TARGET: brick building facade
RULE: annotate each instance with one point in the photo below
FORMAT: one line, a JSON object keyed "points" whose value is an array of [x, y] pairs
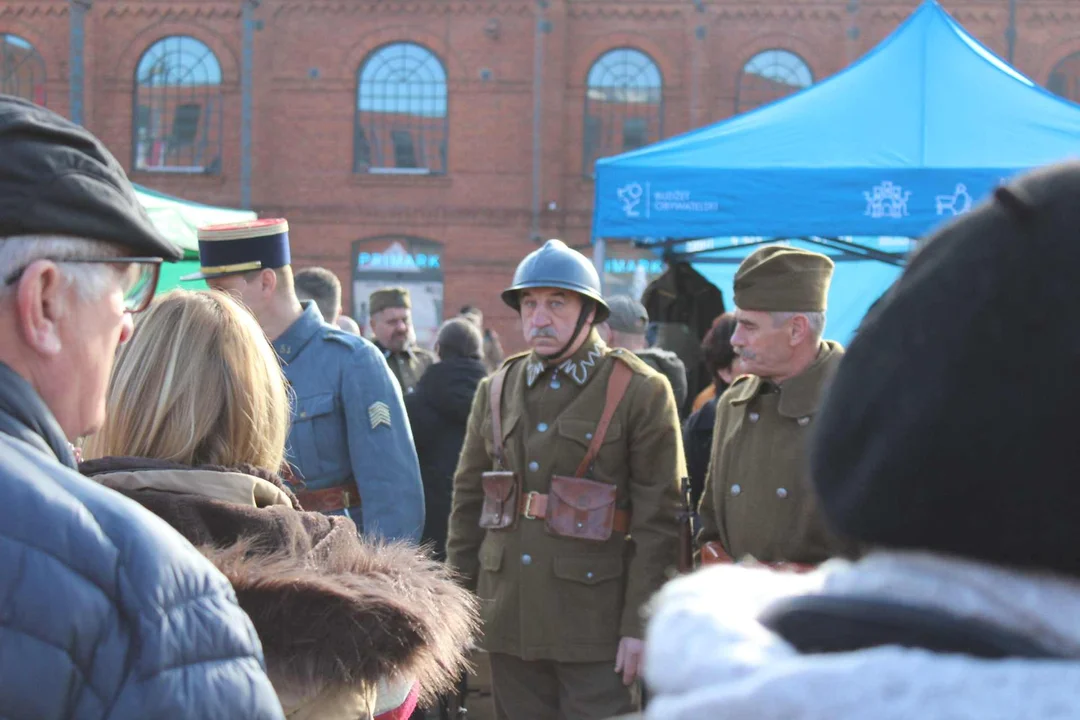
{"points": [[397, 136]]}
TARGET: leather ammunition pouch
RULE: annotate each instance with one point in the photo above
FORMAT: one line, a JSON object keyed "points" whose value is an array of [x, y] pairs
{"points": [[501, 490], [581, 509]]}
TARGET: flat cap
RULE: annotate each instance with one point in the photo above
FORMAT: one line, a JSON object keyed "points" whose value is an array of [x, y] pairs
{"points": [[627, 315], [58, 179], [392, 297], [776, 278]]}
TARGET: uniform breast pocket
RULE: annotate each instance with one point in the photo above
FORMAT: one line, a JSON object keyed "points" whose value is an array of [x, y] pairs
{"points": [[575, 436], [318, 435]]}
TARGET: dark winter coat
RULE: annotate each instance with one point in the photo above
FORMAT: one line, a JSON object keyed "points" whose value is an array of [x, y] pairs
{"points": [[439, 414], [343, 621]]}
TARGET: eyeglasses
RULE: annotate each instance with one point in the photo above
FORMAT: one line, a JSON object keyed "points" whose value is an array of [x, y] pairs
{"points": [[140, 275]]}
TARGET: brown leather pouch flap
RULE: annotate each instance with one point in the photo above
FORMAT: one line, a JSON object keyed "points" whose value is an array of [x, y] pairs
{"points": [[500, 510], [580, 509], [582, 494]]}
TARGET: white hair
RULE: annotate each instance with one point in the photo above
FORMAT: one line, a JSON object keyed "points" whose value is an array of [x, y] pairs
{"points": [[89, 281], [816, 321]]}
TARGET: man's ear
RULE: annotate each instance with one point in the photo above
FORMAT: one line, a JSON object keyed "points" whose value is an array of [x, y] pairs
{"points": [[268, 282], [41, 299], [800, 329]]}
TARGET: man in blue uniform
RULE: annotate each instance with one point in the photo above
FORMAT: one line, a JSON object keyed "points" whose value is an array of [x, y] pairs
{"points": [[350, 441]]}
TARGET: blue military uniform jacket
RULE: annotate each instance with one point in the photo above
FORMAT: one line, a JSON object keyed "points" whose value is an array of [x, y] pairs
{"points": [[349, 424]]}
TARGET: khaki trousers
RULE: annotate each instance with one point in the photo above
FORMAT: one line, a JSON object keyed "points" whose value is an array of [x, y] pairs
{"points": [[549, 690]]}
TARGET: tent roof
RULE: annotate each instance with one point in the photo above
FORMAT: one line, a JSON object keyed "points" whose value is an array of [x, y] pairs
{"points": [[928, 117], [179, 220]]}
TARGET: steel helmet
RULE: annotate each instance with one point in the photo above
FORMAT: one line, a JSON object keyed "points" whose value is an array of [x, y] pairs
{"points": [[557, 266]]}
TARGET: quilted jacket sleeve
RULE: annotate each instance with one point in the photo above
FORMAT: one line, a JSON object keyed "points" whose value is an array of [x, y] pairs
{"points": [[108, 613]]}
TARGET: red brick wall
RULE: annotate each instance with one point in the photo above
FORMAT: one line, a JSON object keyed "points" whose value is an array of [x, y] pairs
{"points": [[307, 54]]}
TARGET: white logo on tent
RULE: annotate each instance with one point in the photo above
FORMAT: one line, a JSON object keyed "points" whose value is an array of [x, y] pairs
{"points": [[630, 196], [887, 200], [956, 204]]}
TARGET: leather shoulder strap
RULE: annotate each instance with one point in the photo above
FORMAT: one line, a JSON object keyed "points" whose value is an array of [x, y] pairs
{"points": [[618, 382], [497, 382]]}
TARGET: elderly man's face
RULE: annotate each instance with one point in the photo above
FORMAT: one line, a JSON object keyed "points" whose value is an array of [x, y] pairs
{"points": [[764, 348], [391, 328], [97, 331], [548, 318]]}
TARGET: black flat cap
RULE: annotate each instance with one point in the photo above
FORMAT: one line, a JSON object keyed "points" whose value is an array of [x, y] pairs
{"points": [[58, 179]]}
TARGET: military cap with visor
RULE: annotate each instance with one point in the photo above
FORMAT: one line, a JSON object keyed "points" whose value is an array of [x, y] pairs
{"points": [[776, 278], [56, 179], [557, 266], [238, 248], [389, 297]]}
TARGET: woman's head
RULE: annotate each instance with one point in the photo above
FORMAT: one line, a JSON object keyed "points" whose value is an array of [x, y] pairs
{"points": [[198, 384], [716, 348]]}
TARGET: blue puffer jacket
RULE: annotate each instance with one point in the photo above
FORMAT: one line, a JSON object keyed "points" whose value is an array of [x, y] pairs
{"points": [[105, 611]]}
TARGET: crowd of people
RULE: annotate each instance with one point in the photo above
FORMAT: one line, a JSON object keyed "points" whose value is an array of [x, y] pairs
{"points": [[231, 504]]}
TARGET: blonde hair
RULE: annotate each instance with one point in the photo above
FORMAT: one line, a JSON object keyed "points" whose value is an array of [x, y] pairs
{"points": [[198, 384]]}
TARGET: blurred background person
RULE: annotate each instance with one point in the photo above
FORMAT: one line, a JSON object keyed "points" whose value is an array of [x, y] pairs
{"points": [[323, 288], [346, 323], [720, 359], [626, 327], [493, 349], [196, 422], [106, 612], [439, 413], [391, 324]]}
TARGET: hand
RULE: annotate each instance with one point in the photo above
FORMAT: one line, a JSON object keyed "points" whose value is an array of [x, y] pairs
{"points": [[628, 659]]}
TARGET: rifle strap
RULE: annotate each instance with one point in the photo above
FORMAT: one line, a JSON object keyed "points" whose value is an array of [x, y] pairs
{"points": [[497, 383], [618, 382]]}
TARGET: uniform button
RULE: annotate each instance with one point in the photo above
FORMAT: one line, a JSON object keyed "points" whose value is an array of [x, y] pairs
{"points": [[754, 417], [526, 559], [804, 421], [589, 575], [303, 414], [542, 427], [555, 384], [588, 436], [534, 466], [580, 525], [781, 493], [735, 489]]}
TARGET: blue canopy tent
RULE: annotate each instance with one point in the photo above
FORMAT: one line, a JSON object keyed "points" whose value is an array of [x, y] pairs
{"points": [[922, 127]]}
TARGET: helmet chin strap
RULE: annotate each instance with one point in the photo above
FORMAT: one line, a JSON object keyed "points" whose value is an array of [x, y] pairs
{"points": [[583, 316]]}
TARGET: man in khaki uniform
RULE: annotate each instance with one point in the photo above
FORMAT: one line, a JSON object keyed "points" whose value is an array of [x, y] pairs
{"points": [[758, 501], [391, 323], [564, 551]]}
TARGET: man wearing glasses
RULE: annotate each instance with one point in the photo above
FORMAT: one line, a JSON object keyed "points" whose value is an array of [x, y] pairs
{"points": [[106, 611]]}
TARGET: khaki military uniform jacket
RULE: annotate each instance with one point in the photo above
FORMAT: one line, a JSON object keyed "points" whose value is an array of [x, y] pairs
{"points": [[758, 500], [555, 598], [408, 366]]}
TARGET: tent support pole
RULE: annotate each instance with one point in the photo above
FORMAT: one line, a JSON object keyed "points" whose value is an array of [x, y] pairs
{"points": [[246, 61], [599, 252], [856, 249]]}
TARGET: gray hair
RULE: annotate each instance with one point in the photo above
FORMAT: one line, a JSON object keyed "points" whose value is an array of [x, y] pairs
{"points": [[89, 281], [816, 321]]}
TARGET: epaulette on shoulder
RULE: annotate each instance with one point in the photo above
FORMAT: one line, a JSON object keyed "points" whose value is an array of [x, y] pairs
{"points": [[341, 337], [513, 359], [632, 361]]}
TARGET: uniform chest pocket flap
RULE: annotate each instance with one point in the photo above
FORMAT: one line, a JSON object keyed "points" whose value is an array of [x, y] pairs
{"points": [[313, 406], [581, 509], [581, 431]]}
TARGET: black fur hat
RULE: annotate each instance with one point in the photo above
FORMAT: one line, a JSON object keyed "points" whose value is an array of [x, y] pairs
{"points": [[953, 423]]}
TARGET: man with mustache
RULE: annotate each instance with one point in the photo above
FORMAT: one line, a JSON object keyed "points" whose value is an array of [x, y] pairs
{"points": [[391, 323], [564, 517], [757, 500]]}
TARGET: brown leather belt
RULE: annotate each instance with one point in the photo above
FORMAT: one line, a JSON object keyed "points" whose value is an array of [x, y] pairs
{"points": [[534, 507], [329, 500]]}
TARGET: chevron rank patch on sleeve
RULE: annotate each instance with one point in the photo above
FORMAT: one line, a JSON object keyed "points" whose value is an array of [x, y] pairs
{"points": [[379, 414]]}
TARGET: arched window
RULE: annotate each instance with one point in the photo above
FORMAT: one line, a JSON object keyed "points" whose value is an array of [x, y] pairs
{"points": [[769, 76], [178, 115], [22, 70], [1065, 78], [624, 105], [401, 120]]}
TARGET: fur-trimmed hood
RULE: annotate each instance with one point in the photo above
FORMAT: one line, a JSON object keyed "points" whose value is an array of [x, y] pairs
{"points": [[332, 609]]}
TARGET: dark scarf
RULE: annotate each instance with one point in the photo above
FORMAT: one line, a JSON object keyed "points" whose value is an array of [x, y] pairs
{"points": [[24, 415]]}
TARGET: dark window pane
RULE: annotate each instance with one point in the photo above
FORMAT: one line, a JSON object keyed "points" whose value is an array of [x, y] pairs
{"points": [[401, 103], [624, 105], [22, 69], [770, 76], [178, 116]]}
